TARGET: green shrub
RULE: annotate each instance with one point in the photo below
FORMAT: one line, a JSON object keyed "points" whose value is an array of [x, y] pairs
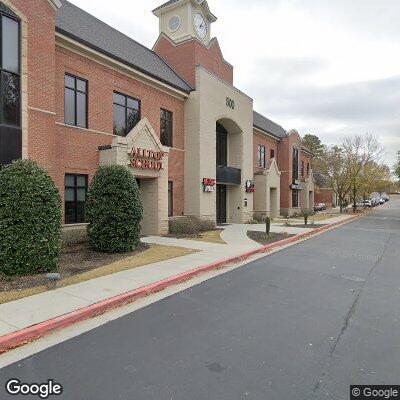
{"points": [[30, 220], [114, 210], [190, 226], [183, 226], [267, 225], [206, 225]]}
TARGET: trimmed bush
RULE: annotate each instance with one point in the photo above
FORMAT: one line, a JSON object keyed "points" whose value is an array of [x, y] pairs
{"points": [[183, 226], [114, 210], [206, 225], [30, 220], [190, 226]]}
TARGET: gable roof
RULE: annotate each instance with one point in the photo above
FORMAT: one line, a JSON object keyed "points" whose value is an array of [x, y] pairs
{"points": [[168, 3], [268, 126], [90, 31]]}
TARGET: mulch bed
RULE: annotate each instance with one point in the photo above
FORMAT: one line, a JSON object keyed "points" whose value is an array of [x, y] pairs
{"points": [[74, 260], [264, 239]]}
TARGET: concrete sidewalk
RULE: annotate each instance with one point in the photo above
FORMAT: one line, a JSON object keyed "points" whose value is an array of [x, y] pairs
{"points": [[33, 310]]}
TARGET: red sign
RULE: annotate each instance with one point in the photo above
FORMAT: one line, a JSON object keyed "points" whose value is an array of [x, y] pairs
{"points": [[146, 159], [208, 182], [209, 185], [250, 187]]}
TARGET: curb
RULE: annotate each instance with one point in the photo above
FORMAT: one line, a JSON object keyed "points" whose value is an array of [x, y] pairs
{"points": [[34, 332]]}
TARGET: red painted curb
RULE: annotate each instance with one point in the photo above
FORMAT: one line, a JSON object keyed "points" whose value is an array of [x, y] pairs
{"points": [[34, 332]]}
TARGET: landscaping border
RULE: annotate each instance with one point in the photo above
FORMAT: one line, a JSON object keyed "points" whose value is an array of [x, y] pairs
{"points": [[34, 332]]}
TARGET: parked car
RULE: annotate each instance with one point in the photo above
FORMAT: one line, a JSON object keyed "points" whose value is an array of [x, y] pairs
{"points": [[382, 200], [385, 197], [319, 207], [375, 201], [365, 203]]}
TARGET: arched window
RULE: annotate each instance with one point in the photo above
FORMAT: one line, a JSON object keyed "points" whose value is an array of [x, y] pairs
{"points": [[10, 80]]}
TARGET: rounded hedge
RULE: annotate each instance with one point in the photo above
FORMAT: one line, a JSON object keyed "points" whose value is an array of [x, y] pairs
{"points": [[30, 220], [114, 210]]}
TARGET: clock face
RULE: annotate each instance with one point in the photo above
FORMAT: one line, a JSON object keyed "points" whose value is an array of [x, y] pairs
{"points": [[174, 23], [200, 26]]}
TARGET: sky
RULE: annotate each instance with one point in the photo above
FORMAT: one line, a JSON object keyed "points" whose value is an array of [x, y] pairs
{"points": [[324, 67]]}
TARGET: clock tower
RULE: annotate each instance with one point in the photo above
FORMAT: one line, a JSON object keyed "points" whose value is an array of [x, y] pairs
{"points": [[182, 20]]}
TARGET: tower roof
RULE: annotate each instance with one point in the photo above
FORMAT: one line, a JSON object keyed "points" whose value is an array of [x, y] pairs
{"points": [[173, 3]]}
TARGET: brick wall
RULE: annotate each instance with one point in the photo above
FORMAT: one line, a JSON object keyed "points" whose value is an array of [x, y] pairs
{"points": [[306, 159], [77, 149], [285, 166], [184, 57], [324, 195], [270, 144], [38, 80]]}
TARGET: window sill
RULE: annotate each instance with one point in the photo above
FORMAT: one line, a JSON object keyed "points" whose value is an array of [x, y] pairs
{"points": [[77, 225]]}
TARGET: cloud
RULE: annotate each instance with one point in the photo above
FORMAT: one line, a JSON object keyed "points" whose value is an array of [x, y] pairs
{"points": [[335, 111]]}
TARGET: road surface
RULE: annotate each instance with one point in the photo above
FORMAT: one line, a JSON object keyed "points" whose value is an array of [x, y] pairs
{"points": [[303, 323]]}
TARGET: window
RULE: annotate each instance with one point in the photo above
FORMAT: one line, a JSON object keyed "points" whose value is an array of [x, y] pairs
{"points": [[308, 168], [10, 81], [272, 154], [76, 187], [75, 101], [295, 164], [302, 168], [126, 114], [170, 199], [261, 156], [166, 123], [295, 198]]}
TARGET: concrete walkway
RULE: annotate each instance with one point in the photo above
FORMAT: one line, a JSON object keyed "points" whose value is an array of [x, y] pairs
{"points": [[32, 310]]}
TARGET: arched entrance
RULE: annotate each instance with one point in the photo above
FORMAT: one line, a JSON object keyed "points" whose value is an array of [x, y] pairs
{"points": [[229, 172]]}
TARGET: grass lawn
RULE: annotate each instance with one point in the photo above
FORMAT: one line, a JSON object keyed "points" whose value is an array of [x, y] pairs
{"points": [[320, 217], [210, 236], [83, 264]]}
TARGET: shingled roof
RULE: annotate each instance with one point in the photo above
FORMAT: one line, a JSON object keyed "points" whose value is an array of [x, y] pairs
{"points": [[268, 126], [168, 3], [90, 31]]}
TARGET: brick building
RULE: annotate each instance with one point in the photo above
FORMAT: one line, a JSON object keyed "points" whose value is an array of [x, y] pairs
{"points": [[76, 94]]}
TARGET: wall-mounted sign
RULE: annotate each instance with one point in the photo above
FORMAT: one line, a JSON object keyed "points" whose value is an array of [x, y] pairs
{"points": [[230, 103], [250, 187], [295, 187], [146, 159], [209, 185]]}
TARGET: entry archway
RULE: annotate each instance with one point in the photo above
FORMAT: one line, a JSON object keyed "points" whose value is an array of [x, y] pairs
{"points": [[229, 161]]}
